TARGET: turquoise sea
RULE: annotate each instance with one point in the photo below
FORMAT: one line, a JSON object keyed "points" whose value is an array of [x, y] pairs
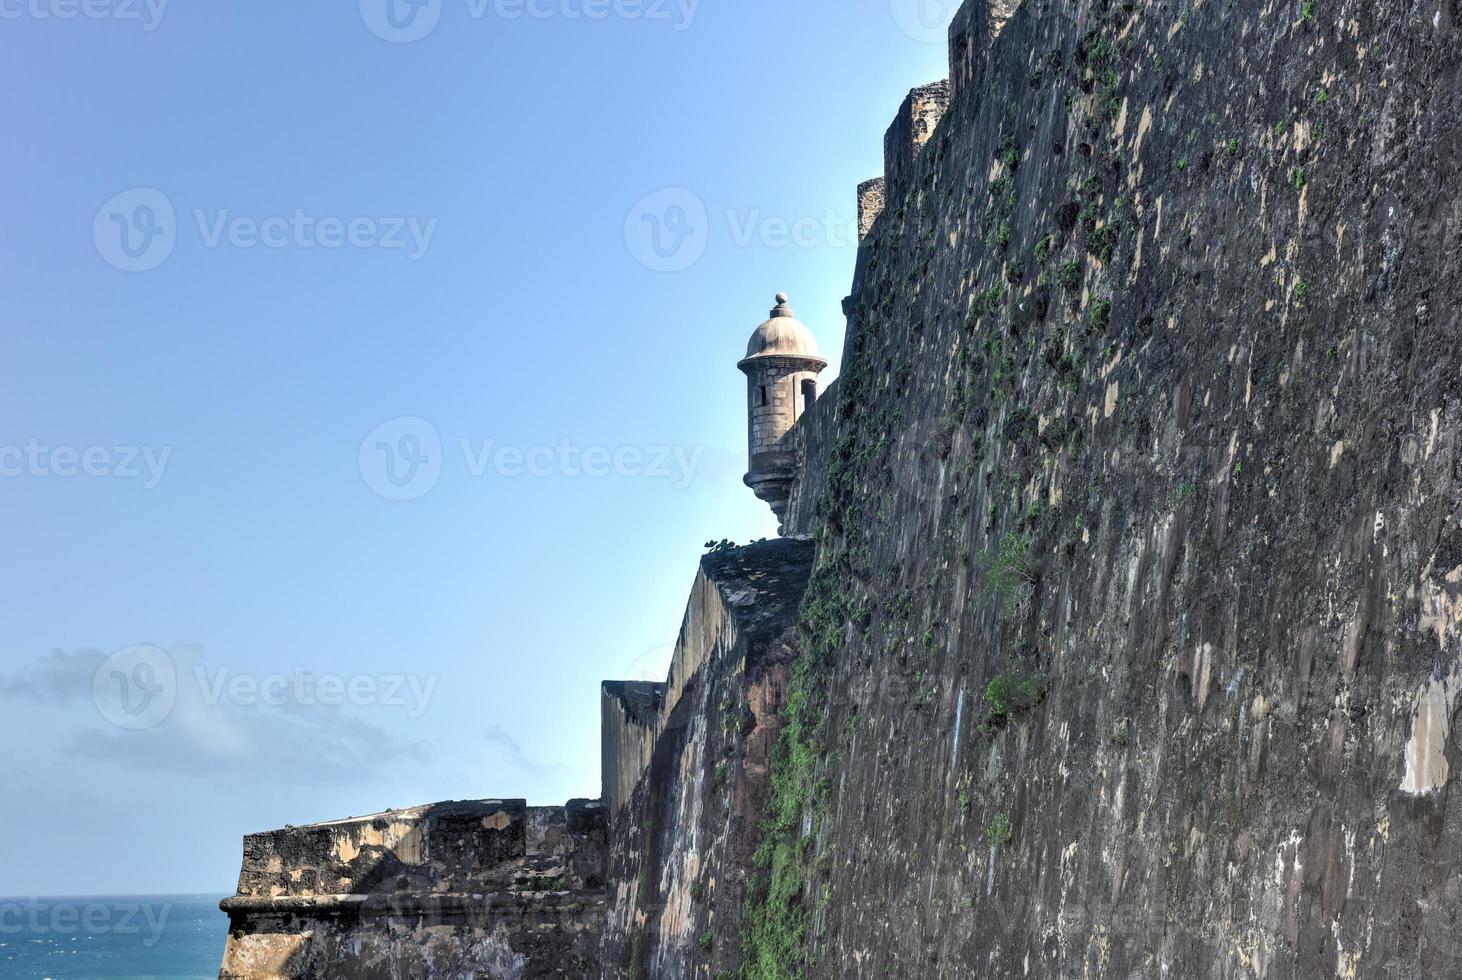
{"points": [[128, 937]]}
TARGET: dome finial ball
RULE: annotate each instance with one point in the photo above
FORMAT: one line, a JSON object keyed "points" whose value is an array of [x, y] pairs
{"points": [[781, 297]]}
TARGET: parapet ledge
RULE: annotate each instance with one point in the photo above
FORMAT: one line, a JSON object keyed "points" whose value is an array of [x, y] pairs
{"points": [[379, 861], [916, 121], [762, 583]]}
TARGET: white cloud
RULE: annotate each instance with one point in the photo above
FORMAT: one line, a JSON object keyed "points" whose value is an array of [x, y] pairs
{"points": [[288, 742]]}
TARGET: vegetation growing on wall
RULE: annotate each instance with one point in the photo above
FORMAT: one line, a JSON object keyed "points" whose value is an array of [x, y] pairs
{"points": [[775, 923], [1009, 694], [775, 919]]}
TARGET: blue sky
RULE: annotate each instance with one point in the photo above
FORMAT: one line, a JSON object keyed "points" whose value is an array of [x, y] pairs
{"points": [[400, 415]]}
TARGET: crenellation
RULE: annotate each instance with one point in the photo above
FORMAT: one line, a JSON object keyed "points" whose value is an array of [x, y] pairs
{"points": [[870, 205], [915, 123], [972, 36]]}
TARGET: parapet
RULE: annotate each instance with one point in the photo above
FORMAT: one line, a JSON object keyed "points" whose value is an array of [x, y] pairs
{"points": [[915, 123], [870, 205], [486, 881], [972, 34]]}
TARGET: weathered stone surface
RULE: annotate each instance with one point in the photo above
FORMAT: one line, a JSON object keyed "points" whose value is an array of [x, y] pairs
{"points": [[682, 843], [489, 888], [630, 713], [811, 443], [916, 121], [870, 205], [1151, 402]]}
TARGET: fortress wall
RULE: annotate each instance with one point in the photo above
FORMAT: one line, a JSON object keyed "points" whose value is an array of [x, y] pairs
{"points": [[504, 890], [971, 36], [870, 205], [635, 716], [812, 439], [630, 722], [683, 841], [707, 631], [1151, 418], [915, 122], [516, 890]]}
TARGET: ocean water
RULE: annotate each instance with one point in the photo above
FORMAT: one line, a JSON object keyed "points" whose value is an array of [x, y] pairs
{"points": [[129, 937]]}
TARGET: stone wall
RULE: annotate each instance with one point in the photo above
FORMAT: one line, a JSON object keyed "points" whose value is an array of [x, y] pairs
{"points": [[778, 379], [490, 888], [630, 716], [912, 126], [870, 205], [1134, 642], [812, 441], [682, 843]]}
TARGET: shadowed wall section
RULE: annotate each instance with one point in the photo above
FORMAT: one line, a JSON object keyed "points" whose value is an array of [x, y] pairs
{"points": [[683, 840]]}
